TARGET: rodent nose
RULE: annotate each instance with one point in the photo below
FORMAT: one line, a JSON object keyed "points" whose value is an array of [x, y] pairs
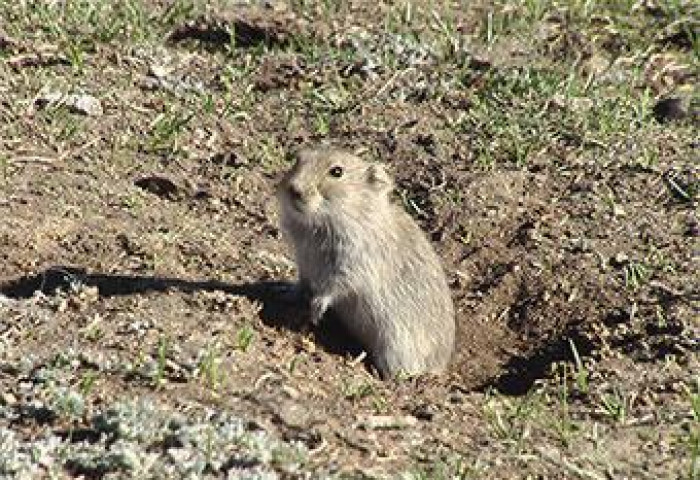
{"points": [[295, 192]]}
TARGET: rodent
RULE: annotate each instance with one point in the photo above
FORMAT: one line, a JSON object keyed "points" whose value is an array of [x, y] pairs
{"points": [[362, 256]]}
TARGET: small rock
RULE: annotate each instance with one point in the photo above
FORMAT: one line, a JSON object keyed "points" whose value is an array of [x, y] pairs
{"points": [[293, 415], [597, 64], [387, 422], [179, 455], [159, 71], [83, 104], [618, 211], [620, 258], [8, 399]]}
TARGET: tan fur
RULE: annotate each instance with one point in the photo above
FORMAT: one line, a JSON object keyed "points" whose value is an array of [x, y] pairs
{"points": [[365, 258]]}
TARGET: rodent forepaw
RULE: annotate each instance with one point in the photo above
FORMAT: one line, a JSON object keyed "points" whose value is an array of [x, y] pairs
{"points": [[318, 308]]}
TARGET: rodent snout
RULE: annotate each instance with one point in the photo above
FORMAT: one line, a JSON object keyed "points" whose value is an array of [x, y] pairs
{"points": [[295, 192]]}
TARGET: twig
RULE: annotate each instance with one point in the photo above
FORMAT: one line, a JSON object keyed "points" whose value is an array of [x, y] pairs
{"points": [[389, 82], [34, 159], [358, 359]]}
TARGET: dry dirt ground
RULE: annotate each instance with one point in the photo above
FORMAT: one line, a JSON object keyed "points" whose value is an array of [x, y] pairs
{"points": [[550, 149]]}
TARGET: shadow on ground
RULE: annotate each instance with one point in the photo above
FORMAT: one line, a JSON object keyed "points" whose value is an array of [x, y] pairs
{"points": [[277, 311], [109, 285]]}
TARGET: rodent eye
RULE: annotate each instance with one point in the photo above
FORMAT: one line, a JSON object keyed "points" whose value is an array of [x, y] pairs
{"points": [[336, 172]]}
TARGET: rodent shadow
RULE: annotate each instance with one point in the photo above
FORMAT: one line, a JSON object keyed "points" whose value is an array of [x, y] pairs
{"points": [[276, 311], [110, 285]]}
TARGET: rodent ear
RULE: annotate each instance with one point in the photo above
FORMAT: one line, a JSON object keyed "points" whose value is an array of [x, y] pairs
{"points": [[378, 177]]}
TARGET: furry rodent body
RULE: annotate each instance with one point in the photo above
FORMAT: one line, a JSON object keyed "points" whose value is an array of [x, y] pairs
{"points": [[362, 256]]}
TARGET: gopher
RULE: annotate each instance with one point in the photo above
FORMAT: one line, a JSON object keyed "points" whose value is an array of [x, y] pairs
{"points": [[364, 258]]}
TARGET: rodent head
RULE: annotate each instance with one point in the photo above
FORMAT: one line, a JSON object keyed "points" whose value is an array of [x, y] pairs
{"points": [[331, 181]]}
